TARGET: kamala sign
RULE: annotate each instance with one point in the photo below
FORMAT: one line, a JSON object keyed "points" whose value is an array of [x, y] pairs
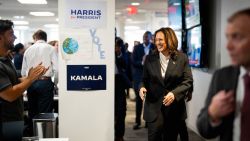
{"points": [[86, 77]]}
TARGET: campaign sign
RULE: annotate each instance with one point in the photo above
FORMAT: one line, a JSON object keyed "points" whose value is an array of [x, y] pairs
{"points": [[88, 14], [86, 77]]}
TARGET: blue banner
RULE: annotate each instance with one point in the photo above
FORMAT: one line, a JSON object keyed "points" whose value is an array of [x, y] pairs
{"points": [[86, 77]]}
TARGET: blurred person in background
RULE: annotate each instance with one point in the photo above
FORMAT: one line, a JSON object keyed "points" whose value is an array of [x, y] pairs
{"points": [[138, 58], [18, 57], [121, 84], [41, 93], [55, 44], [129, 66], [226, 113]]}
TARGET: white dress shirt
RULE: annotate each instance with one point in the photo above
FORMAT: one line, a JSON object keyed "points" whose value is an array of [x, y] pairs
{"points": [[239, 101], [40, 52], [164, 64], [146, 48]]}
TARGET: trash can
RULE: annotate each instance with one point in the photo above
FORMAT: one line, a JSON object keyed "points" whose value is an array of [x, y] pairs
{"points": [[45, 125]]}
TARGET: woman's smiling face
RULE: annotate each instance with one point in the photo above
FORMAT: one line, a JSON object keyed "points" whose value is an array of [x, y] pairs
{"points": [[160, 42]]}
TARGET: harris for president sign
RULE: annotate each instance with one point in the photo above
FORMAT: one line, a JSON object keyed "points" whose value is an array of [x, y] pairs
{"points": [[87, 14]]}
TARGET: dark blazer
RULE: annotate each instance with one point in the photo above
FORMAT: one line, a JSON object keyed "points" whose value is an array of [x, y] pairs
{"points": [[121, 66], [223, 79], [137, 56], [178, 79]]}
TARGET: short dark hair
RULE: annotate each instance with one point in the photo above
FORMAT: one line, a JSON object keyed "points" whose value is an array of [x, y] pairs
{"points": [[5, 25], [239, 13], [18, 47], [40, 35], [119, 42], [148, 33]]}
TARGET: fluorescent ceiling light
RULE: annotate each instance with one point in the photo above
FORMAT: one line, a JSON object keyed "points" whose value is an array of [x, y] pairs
{"points": [[57, 19], [135, 3], [129, 20], [21, 22], [42, 13], [32, 1], [132, 27], [18, 17], [118, 13], [51, 25], [21, 27]]}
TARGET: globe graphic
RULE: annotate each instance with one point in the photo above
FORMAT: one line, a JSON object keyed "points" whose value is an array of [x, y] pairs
{"points": [[70, 46]]}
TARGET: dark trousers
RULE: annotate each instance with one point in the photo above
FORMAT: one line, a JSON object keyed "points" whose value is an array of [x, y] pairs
{"points": [[163, 128], [120, 106], [12, 131], [155, 129], [40, 98], [183, 131], [138, 105], [120, 123]]}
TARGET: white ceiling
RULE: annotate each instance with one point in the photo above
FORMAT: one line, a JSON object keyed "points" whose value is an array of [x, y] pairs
{"points": [[145, 7], [11, 8]]}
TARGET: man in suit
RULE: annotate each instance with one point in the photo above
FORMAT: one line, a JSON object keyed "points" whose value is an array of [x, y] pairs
{"points": [[138, 57], [227, 113], [166, 79], [121, 83]]}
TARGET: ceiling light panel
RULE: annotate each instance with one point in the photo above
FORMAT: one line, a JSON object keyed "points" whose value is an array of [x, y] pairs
{"points": [[18, 17], [135, 3], [20, 22], [21, 27], [32, 1], [42, 13], [51, 25]]}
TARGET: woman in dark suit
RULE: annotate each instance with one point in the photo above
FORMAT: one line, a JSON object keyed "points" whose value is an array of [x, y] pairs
{"points": [[166, 79]]}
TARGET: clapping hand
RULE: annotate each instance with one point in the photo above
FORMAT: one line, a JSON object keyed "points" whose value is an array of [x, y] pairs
{"points": [[35, 73]]}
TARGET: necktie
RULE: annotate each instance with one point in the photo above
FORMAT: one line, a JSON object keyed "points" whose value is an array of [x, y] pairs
{"points": [[245, 111]]}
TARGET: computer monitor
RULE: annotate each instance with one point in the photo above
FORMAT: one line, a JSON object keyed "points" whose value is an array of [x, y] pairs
{"points": [[175, 14], [192, 13], [194, 46]]}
